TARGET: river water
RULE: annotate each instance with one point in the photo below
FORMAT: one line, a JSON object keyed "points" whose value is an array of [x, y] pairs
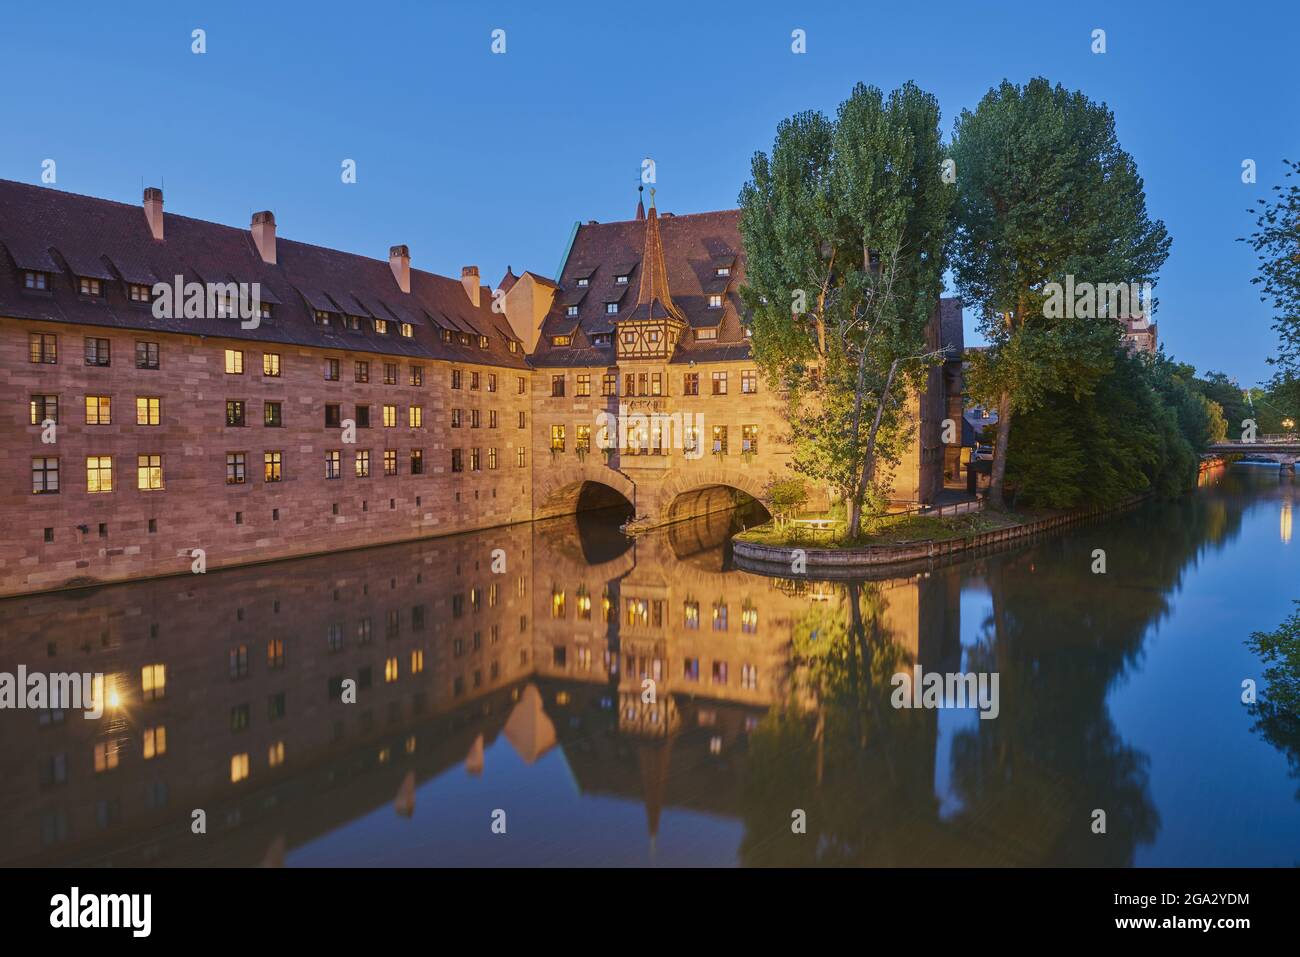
{"points": [[557, 694]]}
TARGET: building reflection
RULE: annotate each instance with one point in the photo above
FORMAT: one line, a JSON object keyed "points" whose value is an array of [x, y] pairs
{"points": [[658, 672], [649, 662]]}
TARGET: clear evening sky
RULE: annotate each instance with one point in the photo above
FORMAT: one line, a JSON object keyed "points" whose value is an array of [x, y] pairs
{"points": [[473, 157]]}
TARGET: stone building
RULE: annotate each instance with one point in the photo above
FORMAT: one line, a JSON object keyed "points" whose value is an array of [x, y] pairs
{"points": [[157, 426]]}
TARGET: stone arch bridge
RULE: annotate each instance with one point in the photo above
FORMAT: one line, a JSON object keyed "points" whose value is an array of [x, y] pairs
{"points": [[658, 488]]}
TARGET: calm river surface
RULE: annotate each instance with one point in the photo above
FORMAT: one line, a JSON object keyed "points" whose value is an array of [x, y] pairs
{"points": [[503, 712]]}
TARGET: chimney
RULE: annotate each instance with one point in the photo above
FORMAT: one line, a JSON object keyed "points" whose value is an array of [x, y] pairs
{"points": [[469, 279], [153, 211], [264, 235], [399, 261]]}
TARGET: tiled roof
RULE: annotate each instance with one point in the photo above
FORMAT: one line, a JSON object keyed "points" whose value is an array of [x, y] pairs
{"points": [[69, 235], [693, 248]]}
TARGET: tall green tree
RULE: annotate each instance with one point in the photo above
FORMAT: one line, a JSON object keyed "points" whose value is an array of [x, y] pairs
{"points": [[1044, 191], [845, 226], [1276, 241]]}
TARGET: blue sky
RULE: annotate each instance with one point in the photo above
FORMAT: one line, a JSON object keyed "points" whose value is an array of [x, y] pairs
{"points": [[471, 157]]}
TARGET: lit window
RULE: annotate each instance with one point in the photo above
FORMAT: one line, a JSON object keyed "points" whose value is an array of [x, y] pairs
{"points": [[99, 473], [583, 283], [275, 754], [42, 348], [234, 362], [149, 472], [153, 682], [148, 410], [155, 742], [715, 301], [106, 756], [560, 340], [238, 768], [98, 410], [271, 465], [706, 333], [381, 327], [620, 280], [271, 364], [407, 330], [138, 293]]}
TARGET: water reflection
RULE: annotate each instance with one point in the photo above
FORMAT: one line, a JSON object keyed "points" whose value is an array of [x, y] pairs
{"points": [[598, 687]]}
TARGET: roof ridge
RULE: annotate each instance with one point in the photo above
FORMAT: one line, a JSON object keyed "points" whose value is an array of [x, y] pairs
{"points": [[243, 230], [620, 222]]}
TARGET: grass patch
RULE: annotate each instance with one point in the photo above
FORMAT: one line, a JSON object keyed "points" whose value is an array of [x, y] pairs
{"points": [[888, 530]]}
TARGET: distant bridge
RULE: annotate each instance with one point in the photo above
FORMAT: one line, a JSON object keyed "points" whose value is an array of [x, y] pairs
{"points": [[1283, 449]]}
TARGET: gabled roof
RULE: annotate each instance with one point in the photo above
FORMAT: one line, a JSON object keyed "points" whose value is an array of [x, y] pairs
{"points": [[689, 246], [68, 235]]}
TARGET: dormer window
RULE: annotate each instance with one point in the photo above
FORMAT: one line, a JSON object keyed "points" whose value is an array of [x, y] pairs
{"points": [[446, 335], [583, 283], [464, 338], [561, 340], [407, 330], [264, 310], [706, 333], [322, 317], [571, 311], [138, 293], [611, 309], [722, 271], [352, 322], [715, 301], [89, 287], [483, 342], [620, 280], [602, 339], [514, 346], [35, 280], [381, 327]]}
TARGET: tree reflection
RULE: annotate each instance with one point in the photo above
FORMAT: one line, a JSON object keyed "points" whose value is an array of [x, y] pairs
{"points": [[1027, 783]]}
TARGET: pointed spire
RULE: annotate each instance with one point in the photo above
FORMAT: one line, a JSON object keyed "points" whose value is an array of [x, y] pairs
{"points": [[640, 206], [654, 274]]}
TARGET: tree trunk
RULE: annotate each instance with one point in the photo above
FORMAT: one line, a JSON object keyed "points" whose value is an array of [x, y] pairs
{"points": [[869, 458], [996, 499]]}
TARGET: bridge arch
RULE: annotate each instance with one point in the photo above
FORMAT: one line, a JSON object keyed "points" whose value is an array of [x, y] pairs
{"points": [[713, 490], [574, 488]]}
